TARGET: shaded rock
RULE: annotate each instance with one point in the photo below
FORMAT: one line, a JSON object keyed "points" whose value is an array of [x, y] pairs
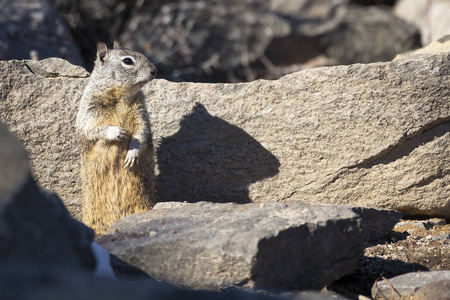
{"points": [[91, 21], [440, 46], [376, 222], [191, 40], [439, 290], [33, 28], [370, 34], [425, 224], [218, 246], [206, 140], [344, 33], [36, 228], [24, 282], [407, 284], [14, 167], [371, 135], [431, 17], [442, 237], [41, 101]]}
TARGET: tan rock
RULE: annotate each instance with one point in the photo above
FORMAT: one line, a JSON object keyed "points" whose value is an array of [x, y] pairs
{"points": [[366, 135], [370, 135], [39, 102], [439, 290], [440, 46]]}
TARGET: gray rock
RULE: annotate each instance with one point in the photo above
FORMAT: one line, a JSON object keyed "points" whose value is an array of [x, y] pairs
{"points": [[25, 282], [40, 109], [442, 237], [424, 224], [33, 28], [205, 37], [440, 46], [35, 227], [14, 167], [218, 246], [439, 290], [344, 33], [371, 135], [357, 38], [407, 284], [376, 222]]}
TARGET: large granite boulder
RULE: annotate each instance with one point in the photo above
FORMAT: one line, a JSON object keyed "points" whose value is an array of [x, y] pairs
{"points": [[220, 246], [367, 135]]}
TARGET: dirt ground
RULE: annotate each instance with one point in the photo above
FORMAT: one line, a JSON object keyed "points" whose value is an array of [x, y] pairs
{"points": [[411, 246]]}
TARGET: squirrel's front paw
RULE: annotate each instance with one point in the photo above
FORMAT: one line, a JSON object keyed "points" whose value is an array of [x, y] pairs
{"points": [[132, 158], [115, 133]]}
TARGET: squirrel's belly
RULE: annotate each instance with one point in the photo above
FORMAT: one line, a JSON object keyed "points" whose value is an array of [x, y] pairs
{"points": [[106, 155]]}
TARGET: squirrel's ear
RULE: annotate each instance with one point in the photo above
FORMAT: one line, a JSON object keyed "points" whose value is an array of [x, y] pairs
{"points": [[116, 45], [102, 50]]}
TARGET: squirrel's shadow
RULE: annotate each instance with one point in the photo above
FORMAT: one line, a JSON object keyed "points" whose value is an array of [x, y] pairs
{"points": [[211, 160]]}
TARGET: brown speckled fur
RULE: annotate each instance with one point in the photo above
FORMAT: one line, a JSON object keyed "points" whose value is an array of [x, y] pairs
{"points": [[110, 190]]}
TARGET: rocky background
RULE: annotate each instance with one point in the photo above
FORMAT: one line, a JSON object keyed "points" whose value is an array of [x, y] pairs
{"points": [[266, 189], [223, 41]]}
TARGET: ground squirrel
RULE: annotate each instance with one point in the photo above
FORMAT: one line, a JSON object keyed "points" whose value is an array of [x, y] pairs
{"points": [[117, 163]]}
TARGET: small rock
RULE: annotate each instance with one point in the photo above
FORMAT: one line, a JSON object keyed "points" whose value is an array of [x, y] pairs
{"points": [[442, 237], [377, 222], [439, 290], [407, 284]]}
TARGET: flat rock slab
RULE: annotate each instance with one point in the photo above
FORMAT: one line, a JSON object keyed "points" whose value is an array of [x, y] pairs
{"points": [[367, 135], [407, 284], [218, 246]]}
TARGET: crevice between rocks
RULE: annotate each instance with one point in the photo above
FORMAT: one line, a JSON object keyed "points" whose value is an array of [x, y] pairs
{"points": [[426, 181], [407, 144], [47, 74], [29, 69]]}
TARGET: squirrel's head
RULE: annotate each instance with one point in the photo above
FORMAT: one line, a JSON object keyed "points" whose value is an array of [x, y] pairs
{"points": [[123, 68]]}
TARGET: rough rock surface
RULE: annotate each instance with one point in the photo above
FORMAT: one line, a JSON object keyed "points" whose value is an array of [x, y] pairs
{"points": [[45, 254], [39, 105], [34, 26], [407, 284], [368, 135], [218, 246], [35, 227], [439, 290]]}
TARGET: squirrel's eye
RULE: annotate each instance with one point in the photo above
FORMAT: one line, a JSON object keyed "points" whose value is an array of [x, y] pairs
{"points": [[128, 61]]}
